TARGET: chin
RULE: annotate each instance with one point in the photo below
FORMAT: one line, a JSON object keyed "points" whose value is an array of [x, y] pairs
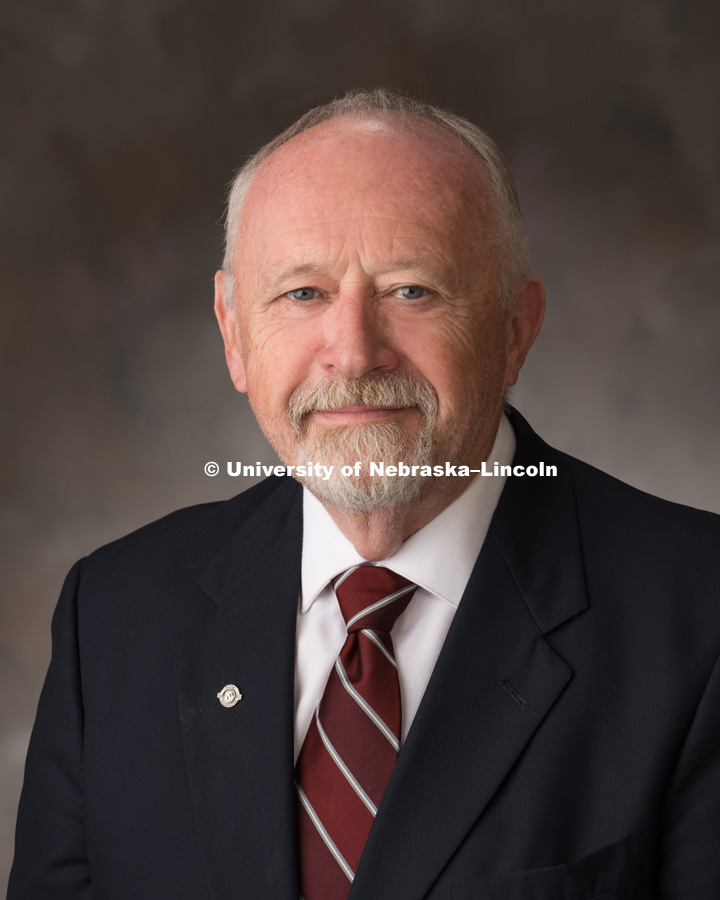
{"points": [[386, 442]]}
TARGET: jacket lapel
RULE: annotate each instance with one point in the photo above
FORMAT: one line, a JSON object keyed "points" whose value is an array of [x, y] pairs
{"points": [[240, 759], [495, 681]]}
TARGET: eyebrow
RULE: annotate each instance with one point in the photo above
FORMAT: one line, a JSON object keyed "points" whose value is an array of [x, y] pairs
{"points": [[421, 266], [430, 269], [286, 273]]}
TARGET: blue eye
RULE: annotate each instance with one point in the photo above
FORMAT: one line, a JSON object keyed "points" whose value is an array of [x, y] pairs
{"points": [[302, 294], [411, 292]]}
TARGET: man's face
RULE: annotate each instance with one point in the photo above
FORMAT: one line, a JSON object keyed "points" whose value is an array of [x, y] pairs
{"points": [[362, 266]]}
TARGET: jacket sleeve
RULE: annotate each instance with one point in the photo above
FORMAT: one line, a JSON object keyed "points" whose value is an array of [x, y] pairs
{"points": [[690, 825], [50, 852]]}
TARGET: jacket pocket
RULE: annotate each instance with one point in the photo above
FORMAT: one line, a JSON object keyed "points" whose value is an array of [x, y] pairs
{"points": [[611, 873]]}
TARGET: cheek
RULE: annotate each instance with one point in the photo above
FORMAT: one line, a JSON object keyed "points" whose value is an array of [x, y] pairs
{"points": [[277, 361], [461, 362]]}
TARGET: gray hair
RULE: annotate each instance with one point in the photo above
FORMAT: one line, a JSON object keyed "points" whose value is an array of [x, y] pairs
{"points": [[507, 235]]}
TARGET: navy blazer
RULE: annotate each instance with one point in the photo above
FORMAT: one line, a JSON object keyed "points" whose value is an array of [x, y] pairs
{"points": [[567, 746]]}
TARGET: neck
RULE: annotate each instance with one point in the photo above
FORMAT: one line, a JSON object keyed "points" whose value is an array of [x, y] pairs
{"points": [[378, 534]]}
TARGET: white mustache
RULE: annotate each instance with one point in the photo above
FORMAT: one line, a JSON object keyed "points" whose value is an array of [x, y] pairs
{"points": [[389, 391]]}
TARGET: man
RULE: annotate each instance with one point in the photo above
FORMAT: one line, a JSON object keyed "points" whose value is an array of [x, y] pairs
{"points": [[518, 698]]}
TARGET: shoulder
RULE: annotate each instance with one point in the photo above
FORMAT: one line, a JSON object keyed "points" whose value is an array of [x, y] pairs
{"points": [[621, 519], [636, 555], [130, 596], [187, 539], [637, 544], [617, 509]]}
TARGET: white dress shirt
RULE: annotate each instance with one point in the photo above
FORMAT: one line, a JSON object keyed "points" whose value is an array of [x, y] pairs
{"points": [[438, 558]]}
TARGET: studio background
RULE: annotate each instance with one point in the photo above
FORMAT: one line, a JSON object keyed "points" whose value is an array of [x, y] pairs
{"points": [[123, 122]]}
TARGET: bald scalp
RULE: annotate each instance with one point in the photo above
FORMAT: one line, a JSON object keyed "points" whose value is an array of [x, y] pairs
{"points": [[439, 158]]}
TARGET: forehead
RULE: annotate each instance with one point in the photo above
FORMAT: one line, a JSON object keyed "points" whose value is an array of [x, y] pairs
{"points": [[342, 175]]}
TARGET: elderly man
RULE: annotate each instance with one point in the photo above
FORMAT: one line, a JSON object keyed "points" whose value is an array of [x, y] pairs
{"points": [[460, 681]]}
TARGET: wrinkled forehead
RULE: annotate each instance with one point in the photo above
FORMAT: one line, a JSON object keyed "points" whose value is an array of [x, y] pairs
{"points": [[382, 160]]}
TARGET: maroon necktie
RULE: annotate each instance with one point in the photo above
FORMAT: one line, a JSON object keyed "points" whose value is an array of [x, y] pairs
{"points": [[352, 744]]}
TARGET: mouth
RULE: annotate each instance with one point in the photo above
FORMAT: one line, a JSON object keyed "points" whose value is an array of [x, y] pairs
{"points": [[358, 415]]}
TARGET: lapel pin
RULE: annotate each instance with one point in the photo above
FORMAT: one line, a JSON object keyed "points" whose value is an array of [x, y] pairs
{"points": [[229, 695]]}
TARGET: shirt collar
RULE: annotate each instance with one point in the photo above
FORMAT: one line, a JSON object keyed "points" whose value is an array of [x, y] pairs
{"points": [[439, 557]]}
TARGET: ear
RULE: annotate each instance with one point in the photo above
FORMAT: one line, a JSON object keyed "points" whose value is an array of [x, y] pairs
{"points": [[523, 325], [227, 320]]}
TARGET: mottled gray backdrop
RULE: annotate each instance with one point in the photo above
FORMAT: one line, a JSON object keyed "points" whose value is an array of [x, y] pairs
{"points": [[121, 124]]}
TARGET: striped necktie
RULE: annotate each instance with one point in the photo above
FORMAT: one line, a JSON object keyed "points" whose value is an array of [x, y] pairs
{"points": [[352, 744]]}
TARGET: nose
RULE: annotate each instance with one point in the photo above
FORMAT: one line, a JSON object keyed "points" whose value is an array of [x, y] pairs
{"points": [[356, 336]]}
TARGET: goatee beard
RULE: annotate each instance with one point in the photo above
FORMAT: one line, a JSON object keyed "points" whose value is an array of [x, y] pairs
{"points": [[344, 445]]}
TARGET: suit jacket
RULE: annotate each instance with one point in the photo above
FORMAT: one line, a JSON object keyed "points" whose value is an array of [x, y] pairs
{"points": [[567, 746]]}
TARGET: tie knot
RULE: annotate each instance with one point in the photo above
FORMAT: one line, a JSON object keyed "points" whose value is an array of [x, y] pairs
{"points": [[372, 597]]}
